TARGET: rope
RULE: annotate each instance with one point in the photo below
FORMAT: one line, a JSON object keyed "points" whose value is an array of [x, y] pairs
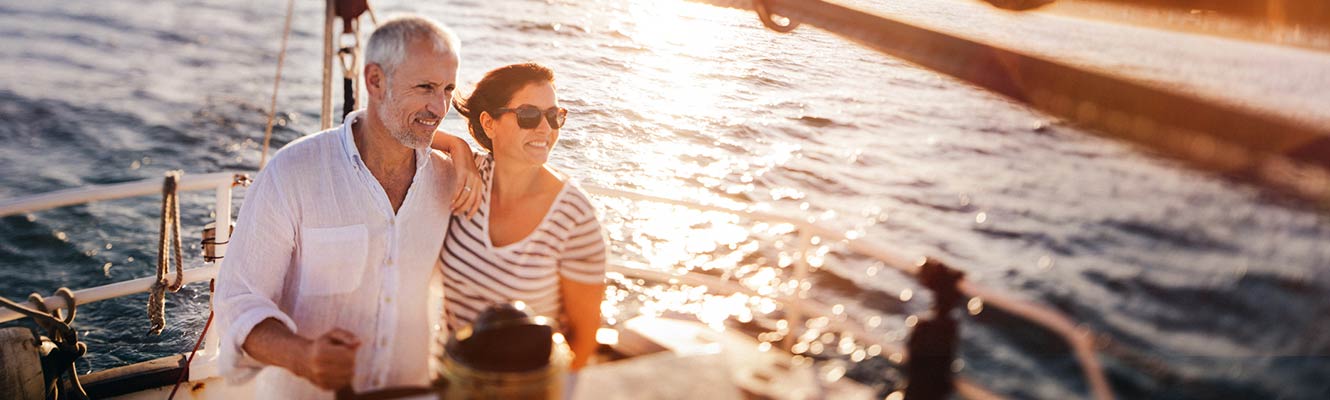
{"points": [[349, 56], [373, 19], [61, 372], [184, 372], [325, 107], [170, 220], [276, 82], [53, 322]]}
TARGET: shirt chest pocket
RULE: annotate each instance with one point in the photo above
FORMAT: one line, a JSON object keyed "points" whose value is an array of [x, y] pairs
{"points": [[332, 260]]}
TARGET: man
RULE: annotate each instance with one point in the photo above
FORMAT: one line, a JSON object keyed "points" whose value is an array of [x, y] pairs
{"points": [[330, 265]]}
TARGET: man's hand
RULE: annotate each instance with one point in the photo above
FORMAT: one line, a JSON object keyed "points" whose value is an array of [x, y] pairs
{"points": [[330, 361]]}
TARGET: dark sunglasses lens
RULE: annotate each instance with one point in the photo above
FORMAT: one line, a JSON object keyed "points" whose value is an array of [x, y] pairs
{"points": [[556, 117], [528, 117]]}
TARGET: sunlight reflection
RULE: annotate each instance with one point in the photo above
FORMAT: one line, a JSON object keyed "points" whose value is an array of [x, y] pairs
{"points": [[756, 255], [674, 32]]}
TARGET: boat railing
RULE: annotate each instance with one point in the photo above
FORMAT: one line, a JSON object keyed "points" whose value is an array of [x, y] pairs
{"points": [[220, 182], [1080, 339]]}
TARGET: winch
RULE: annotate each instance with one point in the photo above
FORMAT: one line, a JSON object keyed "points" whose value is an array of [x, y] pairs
{"points": [[507, 353]]}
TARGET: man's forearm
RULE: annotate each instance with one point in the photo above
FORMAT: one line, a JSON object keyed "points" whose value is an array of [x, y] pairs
{"points": [[271, 343]]}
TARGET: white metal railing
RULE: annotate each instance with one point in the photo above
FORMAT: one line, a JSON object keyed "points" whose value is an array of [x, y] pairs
{"points": [[220, 182], [114, 290], [1079, 338], [88, 194]]}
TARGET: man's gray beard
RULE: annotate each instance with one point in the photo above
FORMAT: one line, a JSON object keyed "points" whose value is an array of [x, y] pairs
{"points": [[404, 137], [401, 134]]}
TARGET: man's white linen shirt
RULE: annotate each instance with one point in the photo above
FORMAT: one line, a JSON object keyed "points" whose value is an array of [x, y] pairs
{"points": [[317, 246]]}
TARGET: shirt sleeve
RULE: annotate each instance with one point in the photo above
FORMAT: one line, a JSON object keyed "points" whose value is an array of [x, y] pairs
{"points": [[583, 256], [253, 272]]}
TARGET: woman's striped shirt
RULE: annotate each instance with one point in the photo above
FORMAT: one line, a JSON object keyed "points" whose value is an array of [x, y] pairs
{"points": [[568, 243]]}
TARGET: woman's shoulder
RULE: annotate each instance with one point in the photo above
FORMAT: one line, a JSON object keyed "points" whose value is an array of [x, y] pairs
{"points": [[575, 198]]}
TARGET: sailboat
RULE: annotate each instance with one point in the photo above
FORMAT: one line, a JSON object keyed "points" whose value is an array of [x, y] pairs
{"points": [[760, 362]]}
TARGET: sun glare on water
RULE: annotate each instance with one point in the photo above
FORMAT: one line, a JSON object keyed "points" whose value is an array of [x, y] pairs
{"points": [[685, 73], [678, 40], [677, 37]]}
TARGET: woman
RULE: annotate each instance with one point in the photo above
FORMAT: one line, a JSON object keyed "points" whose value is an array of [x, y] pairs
{"points": [[535, 236]]}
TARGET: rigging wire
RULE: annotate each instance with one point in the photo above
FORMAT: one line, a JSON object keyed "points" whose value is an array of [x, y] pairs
{"points": [[276, 83]]}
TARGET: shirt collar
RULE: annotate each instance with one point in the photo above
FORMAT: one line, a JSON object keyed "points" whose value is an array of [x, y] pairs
{"points": [[353, 153]]}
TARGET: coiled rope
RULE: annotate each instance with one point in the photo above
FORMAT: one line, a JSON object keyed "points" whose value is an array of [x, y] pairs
{"points": [[61, 371], [170, 220]]}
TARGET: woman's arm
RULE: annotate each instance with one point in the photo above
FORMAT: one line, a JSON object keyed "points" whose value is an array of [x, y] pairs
{"points": [[467, 199], [581, 304], [582, 280]]}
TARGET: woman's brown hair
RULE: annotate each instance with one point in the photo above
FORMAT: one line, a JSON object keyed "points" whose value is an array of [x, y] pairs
{"points": [[494, 91]]}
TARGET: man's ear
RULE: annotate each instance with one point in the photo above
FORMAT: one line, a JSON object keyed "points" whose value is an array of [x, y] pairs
{"points": [[375, 80]]}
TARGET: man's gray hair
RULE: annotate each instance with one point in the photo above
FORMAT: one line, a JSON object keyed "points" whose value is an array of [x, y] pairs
{"points": [[387, 45]]}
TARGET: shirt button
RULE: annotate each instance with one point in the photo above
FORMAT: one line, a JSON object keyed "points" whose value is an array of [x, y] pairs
{"points": [[387, 299], [383, 341]]}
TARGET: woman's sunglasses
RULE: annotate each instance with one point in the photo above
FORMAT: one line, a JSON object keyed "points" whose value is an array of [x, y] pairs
{"points": [[528, 116]]}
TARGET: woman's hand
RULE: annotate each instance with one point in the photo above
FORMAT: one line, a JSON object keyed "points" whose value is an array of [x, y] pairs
{"points": [[469, 186], [581, 308]]}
